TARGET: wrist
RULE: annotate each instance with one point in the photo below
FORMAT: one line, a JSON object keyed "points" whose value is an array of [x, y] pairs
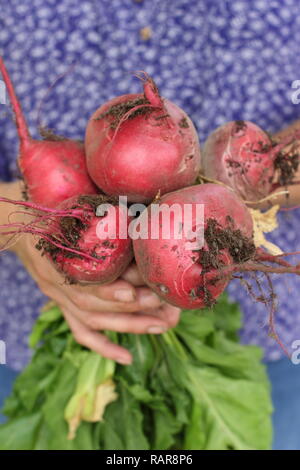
{"points": [[12, 190]]}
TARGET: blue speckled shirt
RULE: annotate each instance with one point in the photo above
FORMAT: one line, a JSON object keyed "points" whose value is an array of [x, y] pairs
{"points": [[218, 59]]}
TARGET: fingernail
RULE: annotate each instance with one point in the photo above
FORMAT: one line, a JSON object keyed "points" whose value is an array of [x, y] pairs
{"points": [[150, 300], [124, 361], [124, 295], [156, 330]]}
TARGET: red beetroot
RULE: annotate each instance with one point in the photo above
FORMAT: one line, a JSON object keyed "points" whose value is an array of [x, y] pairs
{"points": [[241, 155], [109, 255], [193, 277], [177, 273], [84, 246], [139, 144], [53, 169]]}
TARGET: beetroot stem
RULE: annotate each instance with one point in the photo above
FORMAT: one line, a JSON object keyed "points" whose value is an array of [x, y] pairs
{"points": [[20, 119]]}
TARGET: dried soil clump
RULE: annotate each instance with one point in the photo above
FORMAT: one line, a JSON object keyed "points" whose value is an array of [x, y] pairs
{"points": [[48, 134], [117, 111], [286, 163], [218, 239]]}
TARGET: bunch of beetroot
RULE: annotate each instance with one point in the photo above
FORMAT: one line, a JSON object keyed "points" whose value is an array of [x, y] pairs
{"points": [[136, 145], [146, 148]]}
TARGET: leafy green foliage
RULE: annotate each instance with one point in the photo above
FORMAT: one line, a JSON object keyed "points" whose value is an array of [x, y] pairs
{"points": [[195, 387]]}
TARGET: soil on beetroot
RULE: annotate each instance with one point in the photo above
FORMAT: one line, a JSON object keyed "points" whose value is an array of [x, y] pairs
{"points": [[48, 134], [264, 148], [116, 112], [95, 200], [24, 191], [71, 229], [287, 165], [162, 116], [239, 126], [183, 123], [202, 292], [218, 239]]}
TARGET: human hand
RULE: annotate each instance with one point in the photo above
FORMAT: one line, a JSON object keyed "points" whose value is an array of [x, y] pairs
{"points": [[125, 305]]}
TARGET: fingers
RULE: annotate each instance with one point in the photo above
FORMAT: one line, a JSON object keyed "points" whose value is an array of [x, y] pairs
{"points": [[91, 339], [120, 291], [133, 276], [145, 299], [96, 341], [122, 322], [154, 321], [169, 314]]}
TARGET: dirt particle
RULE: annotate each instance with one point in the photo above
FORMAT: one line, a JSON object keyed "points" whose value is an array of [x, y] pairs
{"points": [[183, 123], [108, 244], [48, 134], [163, 116], [287, 165], [95, 200], [239, 126], [24, 191], [203, 292]]}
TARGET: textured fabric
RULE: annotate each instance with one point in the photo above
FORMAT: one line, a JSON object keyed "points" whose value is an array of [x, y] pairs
{"points": [[219, 60]]}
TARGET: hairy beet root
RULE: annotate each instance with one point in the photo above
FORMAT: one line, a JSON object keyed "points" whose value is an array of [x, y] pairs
{"points": [[108, 255], [84, 245]]}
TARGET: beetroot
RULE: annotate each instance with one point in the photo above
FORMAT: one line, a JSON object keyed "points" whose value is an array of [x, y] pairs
{"points": [[83, 246], [178, 274], [241, 155], [140, 144], [190, 277], [53, 169]]}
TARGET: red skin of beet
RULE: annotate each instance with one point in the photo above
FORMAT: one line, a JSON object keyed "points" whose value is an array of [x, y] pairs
{"points": [[146, 154], [170, 269], [53, 170], [238, 154], [114, 254]]}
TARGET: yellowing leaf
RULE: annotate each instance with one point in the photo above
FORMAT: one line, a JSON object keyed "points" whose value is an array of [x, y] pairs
{"points": [[265, 222], [95, 389], [105, 394], [91, 407]]}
